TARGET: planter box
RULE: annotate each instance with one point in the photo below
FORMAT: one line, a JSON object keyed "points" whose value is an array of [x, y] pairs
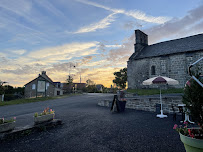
{"points": [[7, 126], [43, 118], [192, 144]]}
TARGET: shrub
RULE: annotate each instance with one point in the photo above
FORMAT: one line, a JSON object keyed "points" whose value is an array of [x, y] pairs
{"points": [[193, 98]]}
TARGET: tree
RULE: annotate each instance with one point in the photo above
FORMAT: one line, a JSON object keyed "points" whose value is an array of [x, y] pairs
{"points": [[90, 86], [2, 89], [120, 78], [69, 80], [89, 82]]}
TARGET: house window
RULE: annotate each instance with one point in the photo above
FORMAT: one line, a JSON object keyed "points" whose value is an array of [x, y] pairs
{"points": [[153, 70], [33, 86], [47, 85]]}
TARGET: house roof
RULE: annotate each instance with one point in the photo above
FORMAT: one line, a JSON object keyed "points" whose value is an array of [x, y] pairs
{"points": [[45, 77], [187, 44]]}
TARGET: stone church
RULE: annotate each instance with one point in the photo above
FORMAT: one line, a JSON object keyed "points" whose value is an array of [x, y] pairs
{"points": [[169, 58]]}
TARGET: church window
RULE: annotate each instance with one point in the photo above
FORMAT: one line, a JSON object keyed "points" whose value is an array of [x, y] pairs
{"points": [[153, 70]]}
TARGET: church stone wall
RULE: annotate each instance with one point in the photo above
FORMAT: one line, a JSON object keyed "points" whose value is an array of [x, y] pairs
{"points": [[137, 72], [178, 69], [173, 66]]}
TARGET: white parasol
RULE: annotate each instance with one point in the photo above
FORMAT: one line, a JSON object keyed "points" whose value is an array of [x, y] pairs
{"points": [[160, 80]]}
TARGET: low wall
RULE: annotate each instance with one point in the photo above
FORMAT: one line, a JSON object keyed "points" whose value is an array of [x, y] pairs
{"points": [[148, 103]]}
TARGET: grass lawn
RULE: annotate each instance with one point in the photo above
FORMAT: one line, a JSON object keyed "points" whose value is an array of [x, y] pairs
{"points": [[154, 91], [21, 101]]}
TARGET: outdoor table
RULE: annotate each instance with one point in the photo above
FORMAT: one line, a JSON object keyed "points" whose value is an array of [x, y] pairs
{"points": [[186, 113]]}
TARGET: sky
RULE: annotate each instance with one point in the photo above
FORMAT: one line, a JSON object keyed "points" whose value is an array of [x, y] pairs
{"points": [[87, 38]]}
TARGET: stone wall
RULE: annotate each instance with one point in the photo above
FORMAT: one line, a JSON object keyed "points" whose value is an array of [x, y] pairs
{"points": [[31, 93], [148, 104], [137, 72], [174, 66], [56, 90]]}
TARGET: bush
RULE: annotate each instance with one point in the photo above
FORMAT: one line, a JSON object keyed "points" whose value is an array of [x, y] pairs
{"points": [[193, 98], [8, 97]]}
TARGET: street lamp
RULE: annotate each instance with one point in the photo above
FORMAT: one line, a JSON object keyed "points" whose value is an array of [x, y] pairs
{"points": [[71, 65]]}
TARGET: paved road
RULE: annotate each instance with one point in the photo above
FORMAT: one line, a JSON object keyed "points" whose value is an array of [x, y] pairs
{"points": [[90, 128]]}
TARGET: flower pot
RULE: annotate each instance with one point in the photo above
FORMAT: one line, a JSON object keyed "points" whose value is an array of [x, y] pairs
{"points": [[7, 126], [192, 144], [43, 118]]}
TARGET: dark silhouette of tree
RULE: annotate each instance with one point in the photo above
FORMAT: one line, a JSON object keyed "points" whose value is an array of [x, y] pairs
{"points": [[69, 80], [120, 78], [90, 86]]}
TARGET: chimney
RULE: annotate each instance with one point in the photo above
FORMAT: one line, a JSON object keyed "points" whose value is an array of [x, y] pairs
{"points": [[43, 72], [141, 40]]}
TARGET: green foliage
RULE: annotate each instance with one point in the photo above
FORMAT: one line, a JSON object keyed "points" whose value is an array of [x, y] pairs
{"points": [[10, 92], [8, 97], [45, 112], [121, 78], [182, 129], [2, 120], [69, 80], [105, 90], [14, 90], [36, 114], [193, 98], [38, 99], [154, 91], [90, 86], [26, 132], [1, 87], [42, 128], [90, 83]]}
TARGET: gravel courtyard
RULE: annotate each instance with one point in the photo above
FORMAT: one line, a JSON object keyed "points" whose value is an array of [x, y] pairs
{"points": [[88, 127]]}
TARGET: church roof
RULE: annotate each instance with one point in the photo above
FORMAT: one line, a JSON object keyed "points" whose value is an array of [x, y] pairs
{"points": [[187, 44]]}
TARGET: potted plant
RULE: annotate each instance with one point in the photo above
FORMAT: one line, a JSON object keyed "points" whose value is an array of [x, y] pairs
{"points": [[7, 124], [192, 138], [46, 115]]}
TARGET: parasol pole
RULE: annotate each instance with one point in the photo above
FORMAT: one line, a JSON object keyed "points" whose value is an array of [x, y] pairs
{"points": [[161, 102], [162, 114]]}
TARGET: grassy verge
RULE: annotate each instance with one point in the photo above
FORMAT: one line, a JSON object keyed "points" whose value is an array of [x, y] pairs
{"points": [[154, 91], [21, 101]]}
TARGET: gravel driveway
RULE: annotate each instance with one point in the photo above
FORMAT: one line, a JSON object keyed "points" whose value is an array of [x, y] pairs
{"points": [[90, 128]]}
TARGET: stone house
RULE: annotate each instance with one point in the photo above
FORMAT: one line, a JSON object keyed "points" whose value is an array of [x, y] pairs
{"points": [[42, 86], [74, 87], [99, 87], [169, 58]]}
